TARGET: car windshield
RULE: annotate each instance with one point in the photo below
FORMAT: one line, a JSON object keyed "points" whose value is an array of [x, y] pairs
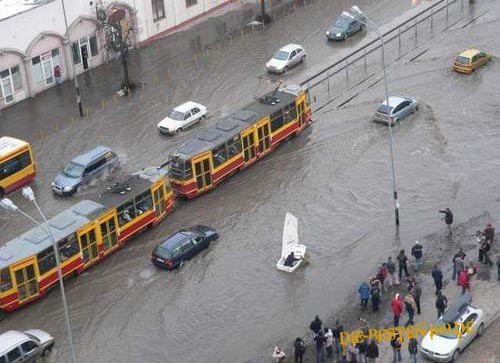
{"points": [[163, 252], [281, 55], [447, 330], [176, 115], [341, 23], [382, 108], [462, 60], [73, 170], [33, 337]]}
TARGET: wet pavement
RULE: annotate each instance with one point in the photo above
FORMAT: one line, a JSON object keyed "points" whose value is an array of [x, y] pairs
{"points": [[230, 304]]}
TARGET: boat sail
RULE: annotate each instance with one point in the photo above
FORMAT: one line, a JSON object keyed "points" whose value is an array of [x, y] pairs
{"points": [[291, 244]]}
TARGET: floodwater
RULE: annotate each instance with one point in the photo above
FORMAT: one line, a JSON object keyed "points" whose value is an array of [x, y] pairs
{"points": [[230, 304]]}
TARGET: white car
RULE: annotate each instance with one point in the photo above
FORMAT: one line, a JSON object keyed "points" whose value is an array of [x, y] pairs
{"points": [[26, 347], [288, 56], [182, 117], [447, 347]]}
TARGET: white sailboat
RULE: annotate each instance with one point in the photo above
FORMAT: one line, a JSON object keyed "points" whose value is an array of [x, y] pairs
{"points": [[291, 244]]}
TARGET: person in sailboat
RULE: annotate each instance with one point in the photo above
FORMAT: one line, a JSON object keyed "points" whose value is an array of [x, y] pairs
{"points": [[291, 259]]}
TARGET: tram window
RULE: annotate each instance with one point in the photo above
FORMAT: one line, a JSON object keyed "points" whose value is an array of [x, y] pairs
{"points": [[276, 120], [219, 155], [68, 247], [290, 112], [5, 280], [126, 213], [46, 260], [234, 146], [144, 202], [180, 169]]}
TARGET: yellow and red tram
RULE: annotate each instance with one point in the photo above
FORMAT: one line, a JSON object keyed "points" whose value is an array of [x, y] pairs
{"points": [[86, 233], [236, 142]]}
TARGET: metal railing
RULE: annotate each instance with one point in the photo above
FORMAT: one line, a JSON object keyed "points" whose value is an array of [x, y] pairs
{"points": [[447, 12]]}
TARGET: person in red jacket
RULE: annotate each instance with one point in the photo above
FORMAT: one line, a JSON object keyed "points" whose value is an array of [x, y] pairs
{"points": [[464, 280], [397, 308]]}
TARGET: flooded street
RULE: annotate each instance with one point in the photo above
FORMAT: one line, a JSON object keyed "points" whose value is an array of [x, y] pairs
{"points": [[230, 304]]}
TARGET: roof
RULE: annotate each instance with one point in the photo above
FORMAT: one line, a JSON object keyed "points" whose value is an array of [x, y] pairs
{"points": [[186, 106], [227, 128], [458, 307], [290, 47], [394, 101], [469, 53], [111, 197], [85, 158], [9, 144], [61, 226], [9, 339]]}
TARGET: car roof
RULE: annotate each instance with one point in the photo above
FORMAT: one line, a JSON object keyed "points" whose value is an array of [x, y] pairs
{"points": [[186, 106], [171, 242], [395, 100], [290, 47], [90, 155], [459, 307], [9, 339], [469, 53]]}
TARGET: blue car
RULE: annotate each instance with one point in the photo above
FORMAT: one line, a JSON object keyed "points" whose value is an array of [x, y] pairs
{"points": [[344, 27], [399, 108]]}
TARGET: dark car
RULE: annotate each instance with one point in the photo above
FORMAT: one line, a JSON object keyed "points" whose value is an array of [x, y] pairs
{"points": [[182, 245], [344, 27]]}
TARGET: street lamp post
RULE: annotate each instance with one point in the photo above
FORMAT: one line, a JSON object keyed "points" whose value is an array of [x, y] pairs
{"points": [[7, 204], [75, 78], [365, 20]]}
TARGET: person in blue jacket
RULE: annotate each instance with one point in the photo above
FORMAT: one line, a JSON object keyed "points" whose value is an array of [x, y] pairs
{"points": [[364, 294]]}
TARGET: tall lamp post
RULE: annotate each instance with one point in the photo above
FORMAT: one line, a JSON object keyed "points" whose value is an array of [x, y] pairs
{"points": [[8, 205], [358, 15], [75, 78]]}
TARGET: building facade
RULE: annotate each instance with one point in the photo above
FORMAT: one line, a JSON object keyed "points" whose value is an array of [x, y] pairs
{"points": [[36, 51]]}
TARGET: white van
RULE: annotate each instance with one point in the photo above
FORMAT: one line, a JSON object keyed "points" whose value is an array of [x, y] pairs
{"points": [[28, 346]]}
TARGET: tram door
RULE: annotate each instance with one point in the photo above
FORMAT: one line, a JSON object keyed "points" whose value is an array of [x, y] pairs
{"points": [[88, 245], [159, 200], [109, 233], [300, 108], [264, 137], [202, 171], [248, 137], [26, 281]]}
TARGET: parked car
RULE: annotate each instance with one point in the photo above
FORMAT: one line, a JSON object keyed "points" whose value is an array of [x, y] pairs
{"points": [[399, 108], [27, 346], [182, 246], [285, 58], [344, 27], [446, 347], [469, 60], [83, 169], [182, 117]]}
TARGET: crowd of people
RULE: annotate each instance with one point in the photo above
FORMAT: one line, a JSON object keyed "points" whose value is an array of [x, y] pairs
{"points": [[326, 340]]}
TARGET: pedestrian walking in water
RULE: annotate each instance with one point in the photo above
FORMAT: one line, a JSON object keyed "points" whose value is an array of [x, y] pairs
{"points": [[397, 306], [413, 350], [364, 294], [391, 272], [372, 352], [410, 308], [375, 295], [417, 252], [498, 267], [448, 219], [329, 342], [396, 348], [458, 263], [339, 328], [381, 276], [319, 342], [316, 325], [441, 303], [437, 276], [362, 347], [403, 264], [464, 279], [352, 356], [483, 252], [278, 354], [300, 349], [416, 292], [489, 233]]}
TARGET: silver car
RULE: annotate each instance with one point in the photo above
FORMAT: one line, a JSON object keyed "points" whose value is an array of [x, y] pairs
{"points": [[399, 108], [285, 58], [27, 346]]}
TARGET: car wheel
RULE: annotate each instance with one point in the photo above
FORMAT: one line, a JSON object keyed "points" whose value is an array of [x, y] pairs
{"points": [[77, 189], [181, 264], [203, 117], [480, 330], [456, 353], [2, 193], [179, 130], [303, 58], [47, 351], [362, 27], [285, 69]]}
